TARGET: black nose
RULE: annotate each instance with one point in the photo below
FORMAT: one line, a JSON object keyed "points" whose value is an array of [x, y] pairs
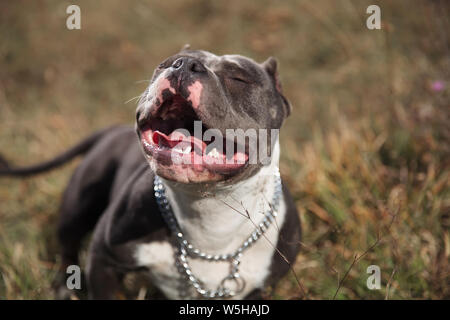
{"points": [[188, 64]]}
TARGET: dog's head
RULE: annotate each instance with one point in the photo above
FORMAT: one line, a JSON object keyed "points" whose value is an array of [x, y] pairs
{"points": [[198, 118]]}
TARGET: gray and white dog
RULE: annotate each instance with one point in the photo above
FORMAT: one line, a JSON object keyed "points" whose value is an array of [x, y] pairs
{"points": [[218, 229]]}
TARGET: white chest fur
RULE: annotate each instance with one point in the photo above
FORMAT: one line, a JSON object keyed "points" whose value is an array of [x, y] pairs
{"points": [[211, 224]]}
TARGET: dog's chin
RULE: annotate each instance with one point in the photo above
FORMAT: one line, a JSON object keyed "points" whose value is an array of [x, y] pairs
{"points": [[193, 173], [183, 173], [204, 179]]}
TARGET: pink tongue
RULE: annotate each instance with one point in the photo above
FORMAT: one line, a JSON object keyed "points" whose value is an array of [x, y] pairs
{"points": [[175, 138], [167, 141]]}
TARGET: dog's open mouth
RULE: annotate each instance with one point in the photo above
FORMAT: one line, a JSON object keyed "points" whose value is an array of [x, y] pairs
{"points": [[174, 136]]}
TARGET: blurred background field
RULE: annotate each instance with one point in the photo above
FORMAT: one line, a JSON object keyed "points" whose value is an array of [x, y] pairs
{"points": [[366, 151]]}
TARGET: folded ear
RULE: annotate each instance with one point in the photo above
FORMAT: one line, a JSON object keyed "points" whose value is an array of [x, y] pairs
{"points": [[271, 67], [187, 46]]}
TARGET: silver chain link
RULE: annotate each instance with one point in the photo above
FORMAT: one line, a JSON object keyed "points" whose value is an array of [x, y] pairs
{"points": [[187, 249]]}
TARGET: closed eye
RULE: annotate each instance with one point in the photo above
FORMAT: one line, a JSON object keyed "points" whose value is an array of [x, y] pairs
{"points": [[239, 79]]}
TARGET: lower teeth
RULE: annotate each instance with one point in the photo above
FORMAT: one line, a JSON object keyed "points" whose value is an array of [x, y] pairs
{"points": [[213, 153], [185, 150]]}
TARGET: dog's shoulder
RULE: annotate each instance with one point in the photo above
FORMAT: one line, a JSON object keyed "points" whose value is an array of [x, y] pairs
{"points": [[132, 217]]}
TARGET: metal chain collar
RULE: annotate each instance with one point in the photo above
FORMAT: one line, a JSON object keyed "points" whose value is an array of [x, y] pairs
{"points": [[186, 249]]}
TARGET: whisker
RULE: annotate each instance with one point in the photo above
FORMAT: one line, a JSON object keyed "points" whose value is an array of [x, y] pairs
{"points": [[140, 81], [134, 98]]}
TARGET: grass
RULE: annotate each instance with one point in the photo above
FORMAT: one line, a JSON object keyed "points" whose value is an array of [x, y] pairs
{"points": [[366, 151]]}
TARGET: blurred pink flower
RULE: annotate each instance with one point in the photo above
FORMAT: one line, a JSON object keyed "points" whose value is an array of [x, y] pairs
{"points": [[437, 85]]}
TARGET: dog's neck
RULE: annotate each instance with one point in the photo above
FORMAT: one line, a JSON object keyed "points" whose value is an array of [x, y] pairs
{"points": [[219, 223]]}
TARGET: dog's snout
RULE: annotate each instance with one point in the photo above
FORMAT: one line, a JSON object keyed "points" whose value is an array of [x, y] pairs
{"points": [[188, 64]]}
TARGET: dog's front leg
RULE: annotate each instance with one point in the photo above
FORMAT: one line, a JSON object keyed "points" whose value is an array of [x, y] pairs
{"points": [[103, 281]]}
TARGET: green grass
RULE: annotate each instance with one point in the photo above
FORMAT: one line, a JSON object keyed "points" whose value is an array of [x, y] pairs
{"points": [[365, 152]]}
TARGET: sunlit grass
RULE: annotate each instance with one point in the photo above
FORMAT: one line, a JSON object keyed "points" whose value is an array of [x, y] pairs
{"points": [[365, 152]]}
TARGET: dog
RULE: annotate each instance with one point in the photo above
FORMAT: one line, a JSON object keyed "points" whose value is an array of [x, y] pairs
{"points": [[207, 229]]}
